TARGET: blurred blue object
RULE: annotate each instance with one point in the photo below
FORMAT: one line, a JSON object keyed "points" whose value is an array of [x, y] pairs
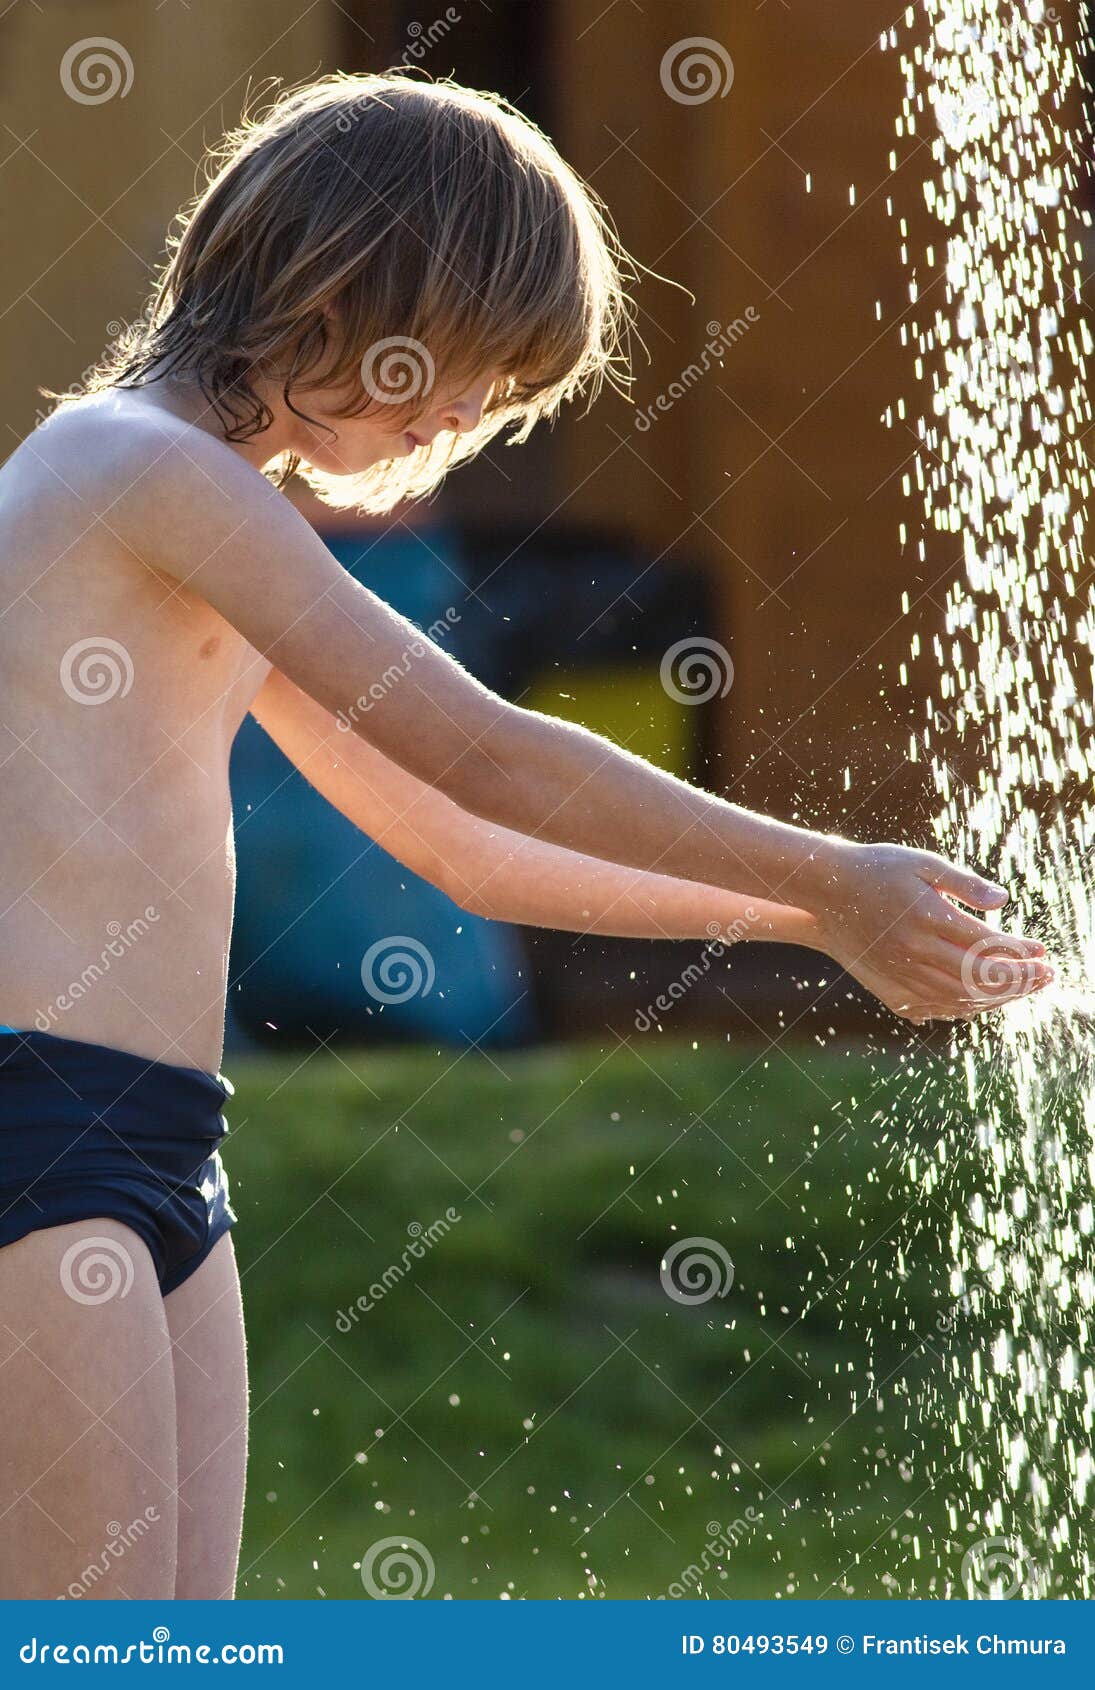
{"points": [[416, 570], [316, 897]]}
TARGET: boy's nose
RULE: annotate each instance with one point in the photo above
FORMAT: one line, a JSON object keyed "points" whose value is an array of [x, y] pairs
{"points": [[461, 416]]}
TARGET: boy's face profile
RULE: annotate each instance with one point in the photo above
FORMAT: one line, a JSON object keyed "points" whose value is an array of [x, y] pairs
{"points": [[335, 444], [298, 282]]}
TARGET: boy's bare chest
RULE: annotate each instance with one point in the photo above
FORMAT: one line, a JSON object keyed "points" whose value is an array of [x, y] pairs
{"points": [[205, 671]]}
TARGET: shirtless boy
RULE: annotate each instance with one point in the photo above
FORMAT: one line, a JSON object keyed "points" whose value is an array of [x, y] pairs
{"points": [[380, 275]]}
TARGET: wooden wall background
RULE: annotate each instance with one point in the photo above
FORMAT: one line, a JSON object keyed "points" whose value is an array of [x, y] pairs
{"points": [[775, 473]]}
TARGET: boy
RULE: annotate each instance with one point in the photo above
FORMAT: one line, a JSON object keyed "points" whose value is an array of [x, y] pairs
{"points": [[379, 276]]}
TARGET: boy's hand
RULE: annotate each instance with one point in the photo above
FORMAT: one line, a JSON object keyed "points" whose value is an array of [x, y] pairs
{"points": [[885, 914]]}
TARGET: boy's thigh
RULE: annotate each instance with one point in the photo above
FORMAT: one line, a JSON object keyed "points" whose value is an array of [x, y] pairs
{"points": [[205, 1320], [88, 1467]]}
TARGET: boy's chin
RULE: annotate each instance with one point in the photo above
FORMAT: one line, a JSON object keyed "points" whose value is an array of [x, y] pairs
{"points": [[351, 463]]}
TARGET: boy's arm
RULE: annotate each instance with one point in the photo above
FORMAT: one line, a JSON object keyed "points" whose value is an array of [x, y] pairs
{"points": [[205, 517], [489, 870]]}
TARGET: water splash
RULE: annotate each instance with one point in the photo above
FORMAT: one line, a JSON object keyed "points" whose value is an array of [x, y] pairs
{"points": [[1001, 341]]}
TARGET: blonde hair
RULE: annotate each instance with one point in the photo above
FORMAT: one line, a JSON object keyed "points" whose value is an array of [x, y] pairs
{"points": [[438, 233]]}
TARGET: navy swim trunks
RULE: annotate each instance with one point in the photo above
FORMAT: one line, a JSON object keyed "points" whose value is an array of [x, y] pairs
{"points": [[86, 1132]]}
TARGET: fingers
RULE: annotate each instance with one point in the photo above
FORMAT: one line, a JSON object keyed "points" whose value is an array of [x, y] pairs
{"points": [[936, 1006], [972, 889], [920, 1015], [996, 982], [988, 971], [958, 928]]}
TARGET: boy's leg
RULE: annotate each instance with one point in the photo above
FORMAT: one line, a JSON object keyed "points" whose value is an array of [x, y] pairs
{"points": [[205, 1320], [88, 1502]]}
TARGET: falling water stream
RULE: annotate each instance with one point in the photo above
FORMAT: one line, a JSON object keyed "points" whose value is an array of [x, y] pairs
{"points": [[999, 337]]}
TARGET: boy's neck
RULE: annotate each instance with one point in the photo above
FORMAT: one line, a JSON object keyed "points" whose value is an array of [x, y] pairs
{"points": [[184, 398]]}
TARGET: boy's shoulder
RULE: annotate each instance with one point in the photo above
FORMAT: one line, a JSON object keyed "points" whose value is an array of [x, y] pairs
{"points": [[115, 469], [112, 446]]}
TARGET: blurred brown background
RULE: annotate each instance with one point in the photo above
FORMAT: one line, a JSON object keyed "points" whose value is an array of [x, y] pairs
{"points": [[769, 486]]}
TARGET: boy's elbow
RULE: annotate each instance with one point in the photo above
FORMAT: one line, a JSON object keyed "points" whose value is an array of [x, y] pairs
{"points": [[489, 779], [462, 884]]}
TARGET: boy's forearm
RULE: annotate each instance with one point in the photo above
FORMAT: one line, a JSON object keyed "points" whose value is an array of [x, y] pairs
{"points": [[489, 869], [553, 779], [496, 873]]}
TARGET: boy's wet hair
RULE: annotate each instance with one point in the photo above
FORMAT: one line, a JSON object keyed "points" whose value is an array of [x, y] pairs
{"points": [[392, 240]]}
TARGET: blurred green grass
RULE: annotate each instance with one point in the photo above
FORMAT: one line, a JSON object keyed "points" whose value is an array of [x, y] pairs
{"points": [[525, 1400]]}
